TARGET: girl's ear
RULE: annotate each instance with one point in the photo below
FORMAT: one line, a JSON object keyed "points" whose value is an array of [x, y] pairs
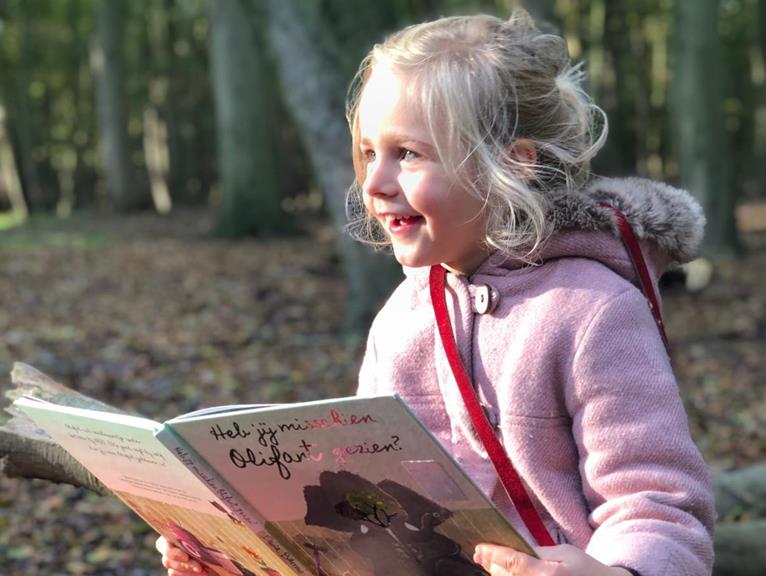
{"points": [[524, 152]]}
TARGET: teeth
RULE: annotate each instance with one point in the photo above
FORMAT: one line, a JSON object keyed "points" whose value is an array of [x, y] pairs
{"points": [[401, 220]]}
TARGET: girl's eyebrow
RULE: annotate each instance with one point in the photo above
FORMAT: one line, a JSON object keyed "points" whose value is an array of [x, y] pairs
{"points": [[401, 137]]}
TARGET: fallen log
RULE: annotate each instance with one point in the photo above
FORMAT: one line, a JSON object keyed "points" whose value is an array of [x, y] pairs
{"points": [[28, 452], [741, 494], [740, 549]]}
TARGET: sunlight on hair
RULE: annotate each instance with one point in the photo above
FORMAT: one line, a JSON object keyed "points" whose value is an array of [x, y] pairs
{"points": [[482, 83]]}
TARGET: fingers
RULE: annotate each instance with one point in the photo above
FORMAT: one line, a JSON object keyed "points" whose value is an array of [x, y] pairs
{"points": [[564, 553], [502, 561], [161, 545], [177, 561], [560, 560], [572, 560]]}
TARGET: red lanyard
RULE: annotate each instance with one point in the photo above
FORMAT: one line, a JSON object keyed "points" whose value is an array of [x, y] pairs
{"points": [[642, 272], [505, 470], [497, 454]]}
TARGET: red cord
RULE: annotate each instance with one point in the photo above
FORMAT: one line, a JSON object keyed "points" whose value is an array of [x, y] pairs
{"points": [[505, 470], [497, 454], [642, 271]]}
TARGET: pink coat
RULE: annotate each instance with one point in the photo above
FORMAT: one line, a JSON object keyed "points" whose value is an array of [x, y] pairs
{"points": [[577, 377]]}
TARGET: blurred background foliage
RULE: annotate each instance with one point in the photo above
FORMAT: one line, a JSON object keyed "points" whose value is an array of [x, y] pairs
{"points": [[129, 105]]}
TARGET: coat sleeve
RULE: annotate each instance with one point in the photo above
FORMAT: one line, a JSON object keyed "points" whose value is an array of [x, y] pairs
{"points": [[645, 482]]}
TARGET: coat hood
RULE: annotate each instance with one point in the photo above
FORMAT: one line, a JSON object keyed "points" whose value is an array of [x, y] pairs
{"points": [[666, 217], [668, 222]]}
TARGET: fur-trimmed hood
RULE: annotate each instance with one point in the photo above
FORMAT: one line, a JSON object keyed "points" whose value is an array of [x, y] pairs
{"points": [[668, 222], [659, 214]]}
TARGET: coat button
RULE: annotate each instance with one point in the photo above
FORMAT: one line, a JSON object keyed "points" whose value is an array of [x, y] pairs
{"points": [[485, 299]]}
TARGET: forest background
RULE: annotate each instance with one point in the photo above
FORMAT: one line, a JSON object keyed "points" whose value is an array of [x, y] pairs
{"points": [[172, 178]]}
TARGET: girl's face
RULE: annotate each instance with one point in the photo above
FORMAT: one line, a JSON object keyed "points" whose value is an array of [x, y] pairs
{"points": [[429, 218]]}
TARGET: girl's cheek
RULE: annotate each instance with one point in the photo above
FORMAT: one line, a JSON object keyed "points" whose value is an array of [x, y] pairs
{"points": [[367, 201]]}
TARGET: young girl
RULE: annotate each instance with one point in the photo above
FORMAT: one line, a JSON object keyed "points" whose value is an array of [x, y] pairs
{"points": [[472, 140]]}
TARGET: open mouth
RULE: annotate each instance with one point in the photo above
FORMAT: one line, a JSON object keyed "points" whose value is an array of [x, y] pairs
{"points": [[402, 223]]}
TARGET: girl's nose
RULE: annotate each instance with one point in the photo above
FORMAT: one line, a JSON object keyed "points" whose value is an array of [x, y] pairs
{"points": [[381, 179]]}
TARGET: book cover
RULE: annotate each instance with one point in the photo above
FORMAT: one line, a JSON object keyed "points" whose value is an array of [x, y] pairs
{"points": [[351, 486]]}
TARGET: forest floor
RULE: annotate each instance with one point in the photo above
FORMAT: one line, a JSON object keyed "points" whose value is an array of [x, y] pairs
{"points": [[153, 316]]}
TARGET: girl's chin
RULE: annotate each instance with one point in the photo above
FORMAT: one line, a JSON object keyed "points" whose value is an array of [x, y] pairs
{"points": [[412, 260], [409, 260]]}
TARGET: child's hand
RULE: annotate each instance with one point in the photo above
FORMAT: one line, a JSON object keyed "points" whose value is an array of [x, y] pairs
{"points": [[177, 561], [562, 560]]}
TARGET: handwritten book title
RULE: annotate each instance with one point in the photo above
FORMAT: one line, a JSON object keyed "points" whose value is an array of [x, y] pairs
{"points": [[267, 442]]}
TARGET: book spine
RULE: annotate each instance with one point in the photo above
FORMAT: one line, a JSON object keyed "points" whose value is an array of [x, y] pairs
{"points": [[237, 506]]}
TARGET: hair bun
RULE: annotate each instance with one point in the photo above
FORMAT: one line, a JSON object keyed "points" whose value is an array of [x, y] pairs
{"points": [[548, 53], [552, 53]]}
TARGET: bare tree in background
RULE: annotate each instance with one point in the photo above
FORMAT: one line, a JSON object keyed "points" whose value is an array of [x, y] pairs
{"points": [[701, 138], [314, 90]]}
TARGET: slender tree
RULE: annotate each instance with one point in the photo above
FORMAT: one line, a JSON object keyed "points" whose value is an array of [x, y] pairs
{"points": [[25, 115], [760, 130], [701, 139], [314, 89], [10, 184], [111, 108], [251, 200]]}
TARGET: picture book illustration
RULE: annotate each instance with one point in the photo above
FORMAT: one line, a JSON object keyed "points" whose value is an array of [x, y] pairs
{"points": [[389, 524]]}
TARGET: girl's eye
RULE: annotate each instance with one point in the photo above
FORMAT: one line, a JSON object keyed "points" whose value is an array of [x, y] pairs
{"points": [[406, 154], [368, 155]]}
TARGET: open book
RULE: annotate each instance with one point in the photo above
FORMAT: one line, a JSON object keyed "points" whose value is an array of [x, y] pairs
{"points": [[351, 486]]}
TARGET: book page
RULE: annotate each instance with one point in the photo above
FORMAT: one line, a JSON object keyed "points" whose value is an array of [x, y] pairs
{"points": [[120, 450], [124, 454]]}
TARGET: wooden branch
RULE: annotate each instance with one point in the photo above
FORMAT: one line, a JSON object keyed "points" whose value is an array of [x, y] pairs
{"points": [[25, 450], [740, 550], [741, 493]]}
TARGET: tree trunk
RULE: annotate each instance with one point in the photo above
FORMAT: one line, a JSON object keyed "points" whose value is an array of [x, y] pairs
{"points": [[762, 28], [156, 147], [760, 107], [68, 164], [702, 142], [619, 155], [27, 452], [10, 182], [741, 493], [176, 176], [314, 94], [111, 108], [24, 119], [251, 200]]}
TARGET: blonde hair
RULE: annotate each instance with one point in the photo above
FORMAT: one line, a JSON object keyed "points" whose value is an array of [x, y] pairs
{"points": [[481, 84]]}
